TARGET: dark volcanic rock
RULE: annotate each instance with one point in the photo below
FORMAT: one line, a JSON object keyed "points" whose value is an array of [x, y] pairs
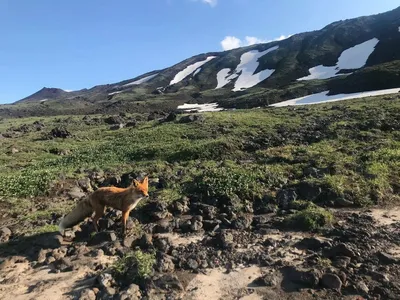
{"points": [[191, 118], [63, 264], [224, 239], [165, 263], [5, 234], [168, 282], [208, 212], [132, 123], [49, 240], [155, 210], [87, 294], [306, 278], [271, 280], [131, 293], [331, 281], [192, 264], [309, 191], [310, 243], [341, 261], [162, 244], [285, 197], [243, 222], [171, 117], [114, 120], [105, 224], [312, 172], [387, 259], [117, 126], [60, 132], [339, 250], [211, 224], [103, 237], [146, 241]]}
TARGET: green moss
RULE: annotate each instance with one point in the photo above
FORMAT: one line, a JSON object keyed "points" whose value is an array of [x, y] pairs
{"points": [[243, 154], [135, 266], [168, 195], [301, 205], [41, 229], [29, 182], [309, 219]]}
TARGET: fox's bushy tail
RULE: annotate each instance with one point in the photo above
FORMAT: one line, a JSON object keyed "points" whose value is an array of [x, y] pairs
{"points": [[78, 214]]}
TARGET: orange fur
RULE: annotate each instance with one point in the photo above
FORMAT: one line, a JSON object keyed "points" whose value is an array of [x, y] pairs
{"points": [[124, 199]]}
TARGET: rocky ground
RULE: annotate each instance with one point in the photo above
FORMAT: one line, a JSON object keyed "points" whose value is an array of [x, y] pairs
{"points": [[289, 203], [197, 252]]}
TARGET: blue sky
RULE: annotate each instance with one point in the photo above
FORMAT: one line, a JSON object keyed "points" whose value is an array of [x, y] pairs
{"points": [[76, 44]]}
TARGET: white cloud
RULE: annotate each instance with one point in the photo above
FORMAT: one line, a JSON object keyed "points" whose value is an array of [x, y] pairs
{"points": [[232, 42], [252, 40], [282, 37], [212, 3]]}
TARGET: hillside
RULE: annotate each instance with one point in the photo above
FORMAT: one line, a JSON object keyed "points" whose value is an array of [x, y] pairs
{"points": [[348, 56], [274, 203]]}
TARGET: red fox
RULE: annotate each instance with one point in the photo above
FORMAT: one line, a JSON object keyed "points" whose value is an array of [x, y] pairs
{"points": [[118, 198]]}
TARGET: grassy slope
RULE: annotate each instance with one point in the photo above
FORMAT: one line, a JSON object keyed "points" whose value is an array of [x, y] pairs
{"points": [[253, 154]]}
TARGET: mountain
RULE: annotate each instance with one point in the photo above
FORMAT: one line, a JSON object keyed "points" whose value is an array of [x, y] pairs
{"points": [[45, 94], [347, 56]]}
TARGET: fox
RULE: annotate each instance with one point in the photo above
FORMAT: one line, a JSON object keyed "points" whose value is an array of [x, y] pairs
{"points": [[123, 199]]}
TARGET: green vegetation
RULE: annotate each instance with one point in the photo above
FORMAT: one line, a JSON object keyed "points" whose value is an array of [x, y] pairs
{"points": [[135, 266], [351, 147], [309, 219], [42, 229]]}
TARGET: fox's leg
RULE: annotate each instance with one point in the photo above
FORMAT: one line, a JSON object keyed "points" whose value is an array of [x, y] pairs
{"points": [[125, 215], [98, 213]]}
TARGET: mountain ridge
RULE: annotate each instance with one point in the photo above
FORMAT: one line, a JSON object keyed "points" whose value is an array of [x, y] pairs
{"points": [[293, 59]]}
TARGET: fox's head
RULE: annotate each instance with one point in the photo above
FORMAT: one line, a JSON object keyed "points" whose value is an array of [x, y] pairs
{"points": [[142, 188]]}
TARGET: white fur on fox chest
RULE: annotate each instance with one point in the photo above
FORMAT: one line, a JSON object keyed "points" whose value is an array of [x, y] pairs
{"points": [[134, 204]]}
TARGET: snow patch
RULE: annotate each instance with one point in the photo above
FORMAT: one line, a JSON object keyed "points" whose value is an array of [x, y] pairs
{"points": [[245, 71], [189, 70], [197, 72], [43, 100], [114, 93], [324, 98], [352, 58], [248, 65], [399, 28], [140, 81], [200, 107], [68, 91], [223, 77]]}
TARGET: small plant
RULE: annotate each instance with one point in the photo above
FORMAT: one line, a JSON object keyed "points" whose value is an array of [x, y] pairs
{"points": [[310, 219], [42, 229], [324, 262], [302, 205], [29, 182], [135, 266], [224, 182]]}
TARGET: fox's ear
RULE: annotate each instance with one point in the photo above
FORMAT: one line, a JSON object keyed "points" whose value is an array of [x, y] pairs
{"points": [[145, 180], [135, 183]]}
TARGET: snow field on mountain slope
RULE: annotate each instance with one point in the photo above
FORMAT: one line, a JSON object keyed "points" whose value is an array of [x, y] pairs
{"points": [[140, 81], [248, 65], [189, 70], [323, 97], [353, 58]]}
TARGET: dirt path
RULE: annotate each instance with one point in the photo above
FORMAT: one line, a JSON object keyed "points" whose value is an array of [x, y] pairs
{"points": [[19, 281], [218, 284]]}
